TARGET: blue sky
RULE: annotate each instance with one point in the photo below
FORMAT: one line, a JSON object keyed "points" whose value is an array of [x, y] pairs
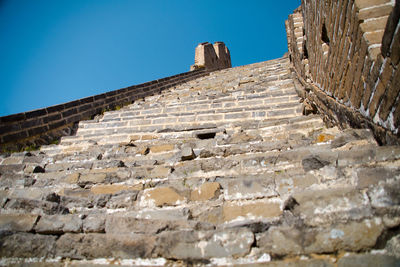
{"points": [[55, 51]]}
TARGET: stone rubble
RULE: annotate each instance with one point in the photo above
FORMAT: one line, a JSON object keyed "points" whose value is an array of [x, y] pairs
{"points": [[222, 170]]}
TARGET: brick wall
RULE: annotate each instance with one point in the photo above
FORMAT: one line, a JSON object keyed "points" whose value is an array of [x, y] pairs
{"points": [[346, 53], [42, 126]]}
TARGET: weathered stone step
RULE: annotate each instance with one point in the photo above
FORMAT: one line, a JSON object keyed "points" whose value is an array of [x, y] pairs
{"points": [[149, 115], [190, 116], [258, 92], [122, 135], [223, 169], [201, 92], [262, 129], [319, 154], [262, 122], [255, 259], [244, 136], [266, 128], [266, 185], [308, 158], [311, 158]]}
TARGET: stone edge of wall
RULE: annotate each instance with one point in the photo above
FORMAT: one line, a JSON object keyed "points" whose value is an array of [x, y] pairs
{"points": [[343, 106], [337, 114], [43, 126]]}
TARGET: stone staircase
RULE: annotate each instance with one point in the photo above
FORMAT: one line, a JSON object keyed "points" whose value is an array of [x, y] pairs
{"points": [[222, 170]]}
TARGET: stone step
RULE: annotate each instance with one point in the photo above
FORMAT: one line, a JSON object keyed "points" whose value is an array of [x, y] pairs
{"points": [[266, 185], [307, 158], [258, 90], [156, 118], [220, 106], [41, 201], [231, 149], [227, 114], [266, 128]]}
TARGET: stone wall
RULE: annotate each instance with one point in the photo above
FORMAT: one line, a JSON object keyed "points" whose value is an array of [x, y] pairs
{"points": [[212, 57], [346, 53], [42, 126]]}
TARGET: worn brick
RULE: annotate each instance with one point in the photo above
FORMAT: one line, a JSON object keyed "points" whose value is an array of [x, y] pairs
{"points": [[107, 246], [358, 89], [251, 210], [390, 29], [205, 244], [162, 148], [395, 49], [27, 245], [92, 178], [330, 206], [349, 80], [374, 25], [292, 241], [367, 260], [161, 196], [209, 117], [14, 136], [58, 224], [360, 4], [114, 188], [374, 104], [396, 115], [381, 87], [17, 222], [374, 37], [237, 115], [206, 191], [375, 12], [371, 80], [390, 97], [164, 121]]}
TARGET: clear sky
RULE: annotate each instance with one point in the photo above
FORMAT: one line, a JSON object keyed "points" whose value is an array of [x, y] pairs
{"points": [[55, 51]]}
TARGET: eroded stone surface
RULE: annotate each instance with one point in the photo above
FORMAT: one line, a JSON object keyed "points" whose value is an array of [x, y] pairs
{"points": [[251, 210], [296, 241], [17, 222], [206, 191], [79, 246], [192, 246], [223, 170], [161, 196], [58, 224]]}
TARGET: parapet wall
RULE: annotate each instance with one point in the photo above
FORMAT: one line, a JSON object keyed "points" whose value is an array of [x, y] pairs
{"points": [[42, 126], [346, 53]]}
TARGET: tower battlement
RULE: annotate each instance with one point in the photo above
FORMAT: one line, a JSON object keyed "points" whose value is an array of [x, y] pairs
{"points": [[212, 57]]}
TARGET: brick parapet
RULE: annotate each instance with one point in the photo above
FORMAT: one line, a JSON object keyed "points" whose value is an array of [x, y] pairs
{"points": [[337, 114], [43, 126], [350, 49]]}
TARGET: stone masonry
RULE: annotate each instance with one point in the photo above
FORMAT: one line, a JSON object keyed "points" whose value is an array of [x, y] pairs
{"points": [[347, 55], [248, 166], [222, 170], [212, 57]]}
